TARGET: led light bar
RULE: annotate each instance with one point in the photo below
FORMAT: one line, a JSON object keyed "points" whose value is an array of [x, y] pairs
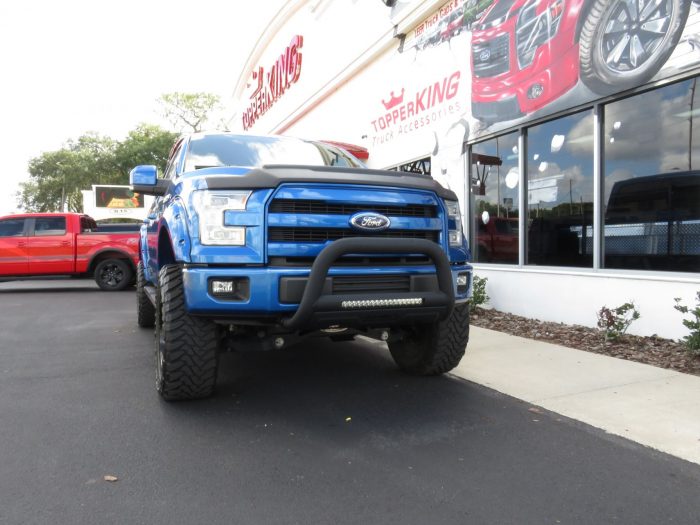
{"points": [[374, 303]]}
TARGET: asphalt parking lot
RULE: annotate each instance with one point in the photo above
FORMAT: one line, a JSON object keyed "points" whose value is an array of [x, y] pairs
{"points": [[323, 433]]}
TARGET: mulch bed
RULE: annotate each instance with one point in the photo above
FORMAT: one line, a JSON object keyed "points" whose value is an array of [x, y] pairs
{"points": [[656, 351]]}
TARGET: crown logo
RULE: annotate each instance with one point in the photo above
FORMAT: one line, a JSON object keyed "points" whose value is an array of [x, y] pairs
{"points": [[393, 101]]}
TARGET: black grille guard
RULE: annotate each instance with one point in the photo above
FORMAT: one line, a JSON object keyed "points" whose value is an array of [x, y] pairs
{"points": [[312, 299]]}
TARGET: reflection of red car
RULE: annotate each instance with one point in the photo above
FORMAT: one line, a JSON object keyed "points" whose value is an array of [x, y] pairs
{"points": [[497, 240], [455, 25], [527, 53]]}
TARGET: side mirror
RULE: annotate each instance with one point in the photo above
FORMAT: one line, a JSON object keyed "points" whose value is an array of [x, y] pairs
{"points": [[144, 179]]}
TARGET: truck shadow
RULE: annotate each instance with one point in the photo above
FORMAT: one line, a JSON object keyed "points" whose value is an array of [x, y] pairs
{"points": [[332, 392]]}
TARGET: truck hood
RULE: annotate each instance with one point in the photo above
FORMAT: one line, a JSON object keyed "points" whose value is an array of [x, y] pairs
{"points": [[271, 176]]}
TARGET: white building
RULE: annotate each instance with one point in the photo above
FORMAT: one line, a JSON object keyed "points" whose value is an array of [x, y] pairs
{"points": [[568, 133]]}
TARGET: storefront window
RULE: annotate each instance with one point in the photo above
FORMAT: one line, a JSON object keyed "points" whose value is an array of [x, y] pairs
{"points": [[560, 192], [494, 187], [652, 180]]}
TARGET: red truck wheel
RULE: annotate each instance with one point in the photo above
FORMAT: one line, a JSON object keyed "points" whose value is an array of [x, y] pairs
{"points": [[113, 275], [624, 44]]}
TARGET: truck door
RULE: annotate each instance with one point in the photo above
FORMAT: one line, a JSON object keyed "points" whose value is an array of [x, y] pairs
{"points": [[13, 247], [50, 246]]}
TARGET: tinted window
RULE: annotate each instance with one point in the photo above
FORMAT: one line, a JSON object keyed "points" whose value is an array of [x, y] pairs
{"points": [[50, 226], [560, 191], [652, 180], [207, 151], [494, 185], [498, 11], [11, 227], [172, 164]]}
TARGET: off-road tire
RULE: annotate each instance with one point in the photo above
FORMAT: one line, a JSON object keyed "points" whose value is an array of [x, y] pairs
{"points": [[594, 71], [433, 349], [113, 275], [145, 311], [186, 347]]}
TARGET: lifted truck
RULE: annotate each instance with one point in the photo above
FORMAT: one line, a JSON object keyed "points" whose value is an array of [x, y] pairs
{"points": [[255, 243], [40, 244]]}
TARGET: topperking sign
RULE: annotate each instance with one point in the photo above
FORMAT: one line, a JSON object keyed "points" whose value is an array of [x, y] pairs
{"points": [[271, 85]]}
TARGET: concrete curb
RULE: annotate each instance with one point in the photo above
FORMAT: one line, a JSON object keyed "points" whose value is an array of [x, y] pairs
{"points": [[655, 407]]}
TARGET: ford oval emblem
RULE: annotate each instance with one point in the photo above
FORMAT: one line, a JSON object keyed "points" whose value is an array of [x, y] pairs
{"points": [[370, 222]]}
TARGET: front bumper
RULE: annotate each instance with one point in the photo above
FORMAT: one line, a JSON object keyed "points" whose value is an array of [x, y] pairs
{"points": [[270, 289], [506, 97]]}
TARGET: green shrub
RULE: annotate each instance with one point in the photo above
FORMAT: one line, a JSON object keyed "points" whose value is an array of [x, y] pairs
{"points": [[479, 296], [614, 322], [692, 340]]}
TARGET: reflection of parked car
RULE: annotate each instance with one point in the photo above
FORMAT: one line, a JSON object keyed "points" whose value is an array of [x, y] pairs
{"points": [[654, 222], [561, 240], [527, 53], [497, 239]]}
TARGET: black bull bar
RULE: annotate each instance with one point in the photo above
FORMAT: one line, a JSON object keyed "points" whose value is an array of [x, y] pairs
{"points": [[316, 309]]}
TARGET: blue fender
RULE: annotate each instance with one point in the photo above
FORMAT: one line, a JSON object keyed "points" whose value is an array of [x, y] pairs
{"points": [[175, 220]]}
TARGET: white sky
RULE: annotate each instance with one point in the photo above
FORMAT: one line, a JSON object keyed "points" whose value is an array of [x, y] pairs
{"points": [[72, 66]]}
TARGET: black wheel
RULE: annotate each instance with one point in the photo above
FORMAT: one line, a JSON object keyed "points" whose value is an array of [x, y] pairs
{"points": [[145, 311], [624, 44], [113, 274], [434, 349], [186, 347]]}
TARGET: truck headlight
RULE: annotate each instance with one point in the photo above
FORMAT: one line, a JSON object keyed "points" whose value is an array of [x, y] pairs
{"points": [[454, 221], [210, 206]]}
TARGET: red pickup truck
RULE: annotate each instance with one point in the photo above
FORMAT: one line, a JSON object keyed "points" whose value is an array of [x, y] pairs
{"points": [[36, 244]]}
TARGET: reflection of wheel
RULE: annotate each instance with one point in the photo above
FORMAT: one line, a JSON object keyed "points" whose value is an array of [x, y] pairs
{"points": [[145, 311], [186, 346], [624, 44], [434, 349], [113, 275]]}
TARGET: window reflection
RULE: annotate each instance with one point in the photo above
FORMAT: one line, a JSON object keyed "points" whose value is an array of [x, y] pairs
{"points": [[494, 185], [560, 191], [652, 180]]}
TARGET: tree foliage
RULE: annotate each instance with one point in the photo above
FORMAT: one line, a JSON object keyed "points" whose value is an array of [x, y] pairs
{"points": [[190, 110], [56, 178], [147, 144]]}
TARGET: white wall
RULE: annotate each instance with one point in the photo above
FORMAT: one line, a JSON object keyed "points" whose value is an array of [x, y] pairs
{"points": [[576, 297], [351, 64]]}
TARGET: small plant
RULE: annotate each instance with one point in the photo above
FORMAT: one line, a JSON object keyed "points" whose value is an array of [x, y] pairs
{"points": [[479, 295], [615, 321], [692, 340]]}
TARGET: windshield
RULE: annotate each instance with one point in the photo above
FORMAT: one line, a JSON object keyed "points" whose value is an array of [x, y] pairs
{"points": [[498, 11], [207, 151]]}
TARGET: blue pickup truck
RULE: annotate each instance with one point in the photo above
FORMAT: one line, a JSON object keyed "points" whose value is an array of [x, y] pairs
{"points": [[257, 243]]}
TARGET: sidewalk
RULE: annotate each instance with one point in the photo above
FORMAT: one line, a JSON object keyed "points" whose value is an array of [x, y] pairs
{"points": [[655, 407]]}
